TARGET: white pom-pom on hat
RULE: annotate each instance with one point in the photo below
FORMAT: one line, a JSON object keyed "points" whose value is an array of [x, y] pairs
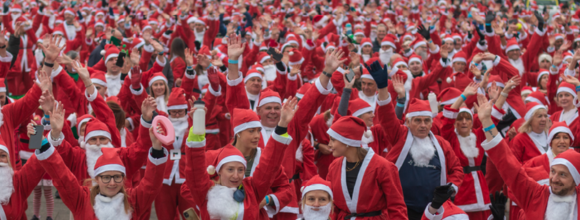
{"points": [[291, 53], [448, 80], [103, 52], [368, 133], [210, 170]]}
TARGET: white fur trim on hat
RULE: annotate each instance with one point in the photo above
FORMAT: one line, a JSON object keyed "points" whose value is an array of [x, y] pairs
{"points": [[252, 75], [296, 63], [110, 55], [419, 113], [69, 12], [99, 82], [449, 102], [347, 141], [177, 107], [232, 158], [270, 99], [4, 148], [157, 78], [512, 47], [316, 187], [362, 111], [367, 76], [97, 133], [2, 89], [496, 83], [530, 113], [191, 20], [560, 129], [571, 168], [459, 59], [110, 167], [415, 59], [388, 43], [566, 89], [265, 58], [422, 43], [247, 125], [58, 32], [401, 63], [367, 43]]}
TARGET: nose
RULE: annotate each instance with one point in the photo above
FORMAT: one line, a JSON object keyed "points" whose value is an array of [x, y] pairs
{"points": [[316, 203]]}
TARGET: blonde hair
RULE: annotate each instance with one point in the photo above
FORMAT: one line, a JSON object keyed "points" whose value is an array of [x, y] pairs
{"points": [[527, 125], [95, 190]]}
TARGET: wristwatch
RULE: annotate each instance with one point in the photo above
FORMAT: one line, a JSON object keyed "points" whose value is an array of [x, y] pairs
{"points": [[327, 74]]}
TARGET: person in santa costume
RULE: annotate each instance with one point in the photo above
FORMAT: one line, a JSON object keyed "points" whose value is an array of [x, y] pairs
{"points": [[567, 99], [235, 196], [317, 199], [108, 199], [458, 130], [17, 185], [560, 137], [556, 201], [532, 139], [364, 183], [415, 150]]}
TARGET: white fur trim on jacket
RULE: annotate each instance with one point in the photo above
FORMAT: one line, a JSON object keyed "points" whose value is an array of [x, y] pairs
{"points": [[487, 145], [44, 155], [158, 161]]}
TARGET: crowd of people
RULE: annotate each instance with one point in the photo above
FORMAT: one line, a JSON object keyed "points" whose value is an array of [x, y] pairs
{"points": [[360, 110]]}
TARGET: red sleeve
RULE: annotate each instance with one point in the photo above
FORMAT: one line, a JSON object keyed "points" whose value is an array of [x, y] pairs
{"points": [[388, 119], [28, 177], [329, 28], [105, 115], [150, 186], [236, 96], [178, 67], [197, 178], [19, 111], [270, 162]]}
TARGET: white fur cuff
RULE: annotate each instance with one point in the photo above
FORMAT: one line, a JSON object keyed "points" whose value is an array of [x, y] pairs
{"points": [[56, 142], [93, 96], [158, 161], [44, 155], [487, 145]]}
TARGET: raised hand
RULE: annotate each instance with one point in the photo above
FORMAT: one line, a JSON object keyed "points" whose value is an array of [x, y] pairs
{"points": [[235, 47], [46, 101], [188, 57], [156, 45], [289, 108], [441, 194], [44, 79], [81, 70], [156, 143], [570, 79], [497, 206], [56, 119], [2, 39], [333, 60], [379, 74], [540, 20], [489, 17], [147, 107], [512, 83], [471, 89], [136, 77], [494, 92], [30, 128], [399, 85], [53, 50], [444, 51], [135, 57], [473, 69], [347, 84], [483, 108], [424, 32]]}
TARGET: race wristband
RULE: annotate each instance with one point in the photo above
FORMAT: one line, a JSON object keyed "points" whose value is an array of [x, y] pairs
{"points": [[463, 96], [577, 88], [232, 61], [489, 128]]}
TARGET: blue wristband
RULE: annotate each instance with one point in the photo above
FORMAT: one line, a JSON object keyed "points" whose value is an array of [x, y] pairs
{"points": [[267, 200], [463, 96], [44, 141], [232, 61], [402, 105], [487, 24], [489, 128], [577, 88], [48, 116]]}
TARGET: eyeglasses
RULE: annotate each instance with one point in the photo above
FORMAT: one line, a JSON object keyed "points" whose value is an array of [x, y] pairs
{"points": [[107, 178]]}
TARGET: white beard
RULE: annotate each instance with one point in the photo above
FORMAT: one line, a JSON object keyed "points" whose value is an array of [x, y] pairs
{"points": [[199, 36], [321, 214], [161, 105], [561, 208], [270, 72], [14, 17], [93, 152], [518, 64], [422, 151], [111, 208], [180, 125], [373, 35], [82, 142], [385, 56], [6, 185], [423, 54], [221, 203], [467, 145], [409, 82]]}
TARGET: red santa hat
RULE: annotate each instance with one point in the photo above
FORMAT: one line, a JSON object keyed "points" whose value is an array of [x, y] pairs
{"points": [[295, 57], [262, 57], [252, 73], [100, 23], [227, 154], [99, 78], [358, 107], [290, 40], [418, 42], [359, 33], [157, 76], [460, 57], [303, 89], [570, 159], [495, 79], [109, 52], [567, 87], [316, 183], [2, 85], [448, 96], [96, 128], [538, 97], [558, 127], [100, 12], [204, 50], [269, 96], [244, 119], [330, 45], [512, 44], [16, 8], [366, 41], [70, 12], [348, 130], [415, 58], [366, 75], [389, 41], [5, 148], [418, 107], [176, 99], [399, 61], [109, 161], [59, 30], [526, 90], [83, 119], [531, 107]]}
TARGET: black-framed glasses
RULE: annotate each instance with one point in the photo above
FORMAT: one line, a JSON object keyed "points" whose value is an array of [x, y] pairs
{"points": [[107, 178]]}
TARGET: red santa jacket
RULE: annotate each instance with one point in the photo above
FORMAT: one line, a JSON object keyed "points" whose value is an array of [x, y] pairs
{"points": [[448, 211], [24, 181]]}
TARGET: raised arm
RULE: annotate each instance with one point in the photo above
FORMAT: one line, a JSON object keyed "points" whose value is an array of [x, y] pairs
{"points": [[388, 119]]}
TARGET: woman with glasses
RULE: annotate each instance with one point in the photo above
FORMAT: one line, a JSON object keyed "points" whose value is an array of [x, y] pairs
{"points": [[108, 198]]}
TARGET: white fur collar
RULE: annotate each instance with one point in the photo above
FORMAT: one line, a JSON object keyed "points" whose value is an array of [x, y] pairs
{"points": [[107, 208], [518, 64], [1, 117], [422, 151], [6, 183], [561, 208], [221, 203], [468, 146]]}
